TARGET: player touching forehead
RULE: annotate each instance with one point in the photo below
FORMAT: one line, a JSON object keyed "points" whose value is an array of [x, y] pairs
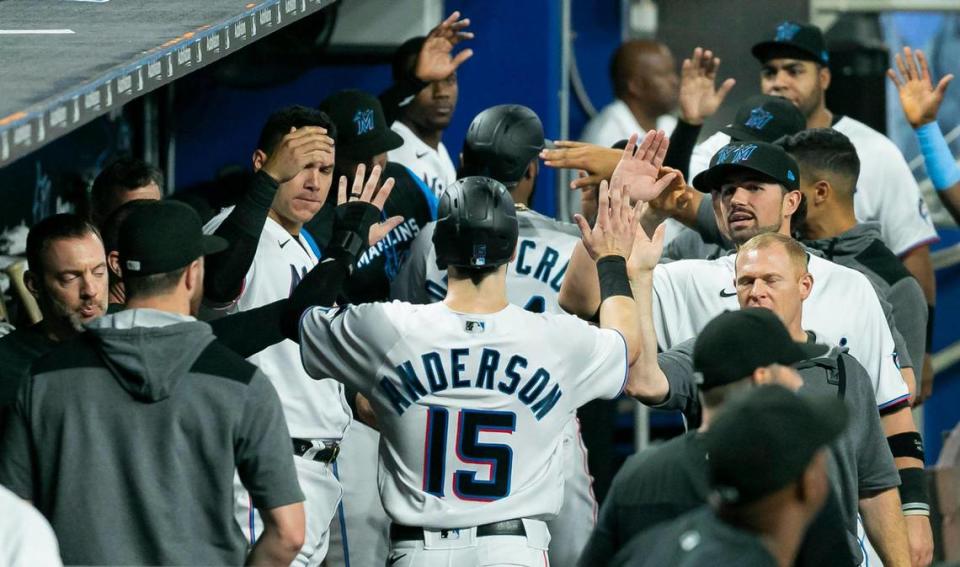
{"points": [[300, 198]]}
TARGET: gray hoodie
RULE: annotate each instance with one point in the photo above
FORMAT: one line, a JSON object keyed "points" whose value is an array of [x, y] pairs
{"points": [[128, 438]]}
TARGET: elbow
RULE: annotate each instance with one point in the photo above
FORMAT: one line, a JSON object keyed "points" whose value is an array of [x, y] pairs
{"points": [[292, 538]]}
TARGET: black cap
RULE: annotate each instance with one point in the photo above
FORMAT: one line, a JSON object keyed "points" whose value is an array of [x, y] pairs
{"points": [[735, 343], [794, 40], [769, 160], [765, 440], [163, 236], [500, 143], [765, 118], [362, 130]]}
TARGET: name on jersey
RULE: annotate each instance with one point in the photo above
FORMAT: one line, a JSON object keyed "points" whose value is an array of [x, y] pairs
{"points": [[405, 232], [433, 373]]}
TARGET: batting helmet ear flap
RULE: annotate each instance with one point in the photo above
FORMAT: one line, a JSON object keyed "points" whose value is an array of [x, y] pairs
{"points": [[476, 224]]}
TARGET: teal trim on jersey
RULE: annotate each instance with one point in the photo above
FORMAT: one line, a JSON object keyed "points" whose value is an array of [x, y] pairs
{"points": [[311, 243], [432, 200]]}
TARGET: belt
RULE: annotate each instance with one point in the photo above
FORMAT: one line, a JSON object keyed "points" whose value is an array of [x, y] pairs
{"points": [[320, 451], [505, 528]]}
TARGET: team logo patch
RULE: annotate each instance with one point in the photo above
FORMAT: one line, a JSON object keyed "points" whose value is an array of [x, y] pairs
{"points": [[759, 118], [475, 327], [479, 255], [735, 154], [364, 121], [133, 265], [786, 31], [791, 176]]}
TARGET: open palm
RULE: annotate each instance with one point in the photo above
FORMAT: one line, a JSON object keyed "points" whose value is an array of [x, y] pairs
{"points": [[918, 97], [640, 165]]}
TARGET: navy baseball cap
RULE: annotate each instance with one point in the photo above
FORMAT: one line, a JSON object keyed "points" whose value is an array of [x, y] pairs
{"points": [[362, 129], [794, 40], [764, 118], [163, 236], [735, 343], [765, 439], [768, 160]]}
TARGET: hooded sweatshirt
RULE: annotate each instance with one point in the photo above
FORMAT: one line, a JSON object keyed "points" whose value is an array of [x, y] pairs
{"points": [[127, 439], [862, 249]]}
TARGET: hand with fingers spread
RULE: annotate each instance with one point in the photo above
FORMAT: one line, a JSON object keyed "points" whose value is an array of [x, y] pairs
{"points": [[435, 61], [597, 161], [646, 251], [699, 96], [639, 168], [359, 210], [298, 149], [919, 99], [613, 233]]}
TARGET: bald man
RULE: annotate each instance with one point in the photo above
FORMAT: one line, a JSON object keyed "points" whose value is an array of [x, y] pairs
{"points": [[645, 84]]}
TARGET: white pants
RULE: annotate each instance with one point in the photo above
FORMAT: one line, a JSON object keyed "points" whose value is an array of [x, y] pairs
{"points": [[571, 529], [359, 534], [322, 492], [462, 548]]}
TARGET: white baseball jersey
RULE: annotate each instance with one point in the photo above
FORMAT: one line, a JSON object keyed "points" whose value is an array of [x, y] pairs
{"points": [[471, 407], [433, 166], [887, 192], [25, 536], [615, 122], [313, 409], [543, 252], [843, 309]]}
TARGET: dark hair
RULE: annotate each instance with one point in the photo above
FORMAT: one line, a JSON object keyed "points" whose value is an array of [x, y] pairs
{"points": [[405, 57], [152, 285], [110, 229], [56, 227], [279, 123], [123, 174], [824, 151]]}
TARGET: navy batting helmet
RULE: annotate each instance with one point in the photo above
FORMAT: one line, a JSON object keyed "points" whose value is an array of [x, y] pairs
{"points": [[500, 143], [476, 224]]}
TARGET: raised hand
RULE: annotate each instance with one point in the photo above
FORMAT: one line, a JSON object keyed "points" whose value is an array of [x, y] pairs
{"points": [[597, 162], [613, 233], [638, 171], [646, 251], [298, 149], [699, 96], [369, 192], [435, 61], [919, 99]]}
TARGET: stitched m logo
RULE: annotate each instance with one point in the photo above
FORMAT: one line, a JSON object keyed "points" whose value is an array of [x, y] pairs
{"points": [[364, 121], [786, 31], [735, 154], [759, 118]]}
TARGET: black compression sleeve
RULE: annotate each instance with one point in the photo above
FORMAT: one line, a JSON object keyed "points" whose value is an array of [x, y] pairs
{"points": [[248, 332], [396, 94], [931, 310], [320, 287], [682, 141], [224, 273]]}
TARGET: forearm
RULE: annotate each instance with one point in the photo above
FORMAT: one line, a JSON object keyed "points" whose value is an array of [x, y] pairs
{"points": [[885, 527], [646, 381], [682, 141], [224, 273], [320, 287], [618, 309], [272, 549], [580, 290], [898, 422], [398, 93], [941, 166], [920, 265]]}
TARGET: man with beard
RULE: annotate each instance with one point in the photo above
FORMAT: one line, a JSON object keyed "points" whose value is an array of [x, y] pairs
{"points": [[127, 437], [645, 83], [68, 277]]}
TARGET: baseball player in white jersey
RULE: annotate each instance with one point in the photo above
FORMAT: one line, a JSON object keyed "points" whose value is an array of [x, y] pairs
{"points": [[316, 411], [502, 143], [432, 164], [757, 186], [471, 408], [794, 67]]}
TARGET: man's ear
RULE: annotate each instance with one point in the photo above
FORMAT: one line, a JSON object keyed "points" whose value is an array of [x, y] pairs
{"points": [[822, 190], [32, 280], [113, 262], [791, 202], [259, 158], [825, 77], [193, 276], [532, 169]]}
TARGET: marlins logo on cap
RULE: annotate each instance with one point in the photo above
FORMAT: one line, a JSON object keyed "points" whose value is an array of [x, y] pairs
{"points": [[735, 153], [759, 118], [364, 121], [786, 31]]}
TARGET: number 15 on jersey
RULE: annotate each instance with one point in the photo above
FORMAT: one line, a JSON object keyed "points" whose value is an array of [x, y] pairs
{"points": [[469, 425]]}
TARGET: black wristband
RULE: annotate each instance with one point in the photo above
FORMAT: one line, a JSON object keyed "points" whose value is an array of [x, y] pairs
{"points": [[914, 498], [908, 444], [355, 216], [930, 311], [612, 271]]}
